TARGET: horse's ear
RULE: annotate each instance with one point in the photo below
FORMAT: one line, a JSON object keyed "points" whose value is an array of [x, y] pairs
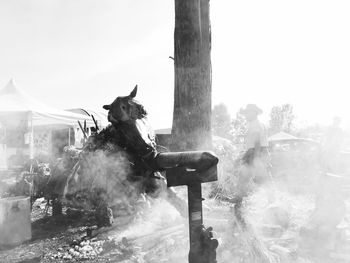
{"points": [[133, 93], [107, 107]]}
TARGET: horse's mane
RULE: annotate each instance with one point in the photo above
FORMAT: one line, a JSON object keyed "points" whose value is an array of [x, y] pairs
{"points": [[142, 111]]}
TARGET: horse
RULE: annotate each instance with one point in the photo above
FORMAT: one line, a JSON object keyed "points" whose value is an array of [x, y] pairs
{"points": [[117, 166], [129, 118]]}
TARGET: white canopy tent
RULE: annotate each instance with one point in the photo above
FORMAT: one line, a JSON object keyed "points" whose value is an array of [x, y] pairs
{"points": [[16, 101], [17, 106], [100, 117]]}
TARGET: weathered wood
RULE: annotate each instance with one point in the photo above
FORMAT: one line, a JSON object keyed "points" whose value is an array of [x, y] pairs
{"points": [[192, 96]]}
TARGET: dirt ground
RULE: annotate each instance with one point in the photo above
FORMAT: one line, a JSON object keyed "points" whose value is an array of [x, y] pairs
{"points": [[160, 234], [48, 234], [130, 239]]}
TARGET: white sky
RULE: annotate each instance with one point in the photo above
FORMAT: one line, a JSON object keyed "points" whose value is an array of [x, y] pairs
{"points": [[84, 53]]}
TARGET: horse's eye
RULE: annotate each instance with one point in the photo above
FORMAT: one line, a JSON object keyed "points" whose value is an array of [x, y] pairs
{"points": [[123, 108]]}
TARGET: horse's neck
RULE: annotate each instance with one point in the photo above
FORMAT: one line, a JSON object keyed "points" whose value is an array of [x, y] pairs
{"points": [[136, 131]]}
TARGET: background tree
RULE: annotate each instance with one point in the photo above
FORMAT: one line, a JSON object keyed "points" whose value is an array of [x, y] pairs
{"points": [[281, 119], [221, 121], [192, 98], [239, 125]]}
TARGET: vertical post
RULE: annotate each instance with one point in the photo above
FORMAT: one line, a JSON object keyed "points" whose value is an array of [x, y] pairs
{"points": [[191, 128], [5, 147], [31, 139], [195, 220], [3, 151], [31, 143]]}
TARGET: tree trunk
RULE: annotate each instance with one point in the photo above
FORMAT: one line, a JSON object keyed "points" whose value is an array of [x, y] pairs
{"points": [[192, 97]]}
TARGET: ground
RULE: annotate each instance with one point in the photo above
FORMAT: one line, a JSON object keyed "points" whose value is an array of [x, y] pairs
{"points": [[277, 219], [130, 239]]}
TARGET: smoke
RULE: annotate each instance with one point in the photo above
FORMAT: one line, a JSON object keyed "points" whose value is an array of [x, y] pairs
{"points": [[157, 215], [155, 225], [299, 216], [106, 177], [288, 219]]}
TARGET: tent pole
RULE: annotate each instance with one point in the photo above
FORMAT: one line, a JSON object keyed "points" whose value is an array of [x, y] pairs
{"points": [[31, 141], [5, 145]]}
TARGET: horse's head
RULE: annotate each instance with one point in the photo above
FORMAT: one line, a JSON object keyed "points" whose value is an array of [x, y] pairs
{"points": [[125, 109]]}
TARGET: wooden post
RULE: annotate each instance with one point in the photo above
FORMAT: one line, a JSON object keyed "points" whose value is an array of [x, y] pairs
{"points": [[192, 96], [195, 214]]}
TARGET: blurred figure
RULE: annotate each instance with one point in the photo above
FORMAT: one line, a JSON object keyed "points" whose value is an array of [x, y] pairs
{"points": [[255, 161], [332, 145], [256, 156]]}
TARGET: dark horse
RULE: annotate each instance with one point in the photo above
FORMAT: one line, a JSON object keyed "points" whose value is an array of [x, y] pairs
{"points": [[129, 118], [118, 164]]}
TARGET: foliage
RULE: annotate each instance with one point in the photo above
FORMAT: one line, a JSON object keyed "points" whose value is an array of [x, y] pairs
{"points": [[221, 121], [228, 152], [239, 125], [227, 127], [281, 119]]}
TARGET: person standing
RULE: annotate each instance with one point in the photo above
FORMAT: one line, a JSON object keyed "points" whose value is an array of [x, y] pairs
{"points": [[255, 162], [331, 146], [256, 155]]}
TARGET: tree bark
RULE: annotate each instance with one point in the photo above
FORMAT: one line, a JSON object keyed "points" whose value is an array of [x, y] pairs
{"points": [[192, 96]]}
